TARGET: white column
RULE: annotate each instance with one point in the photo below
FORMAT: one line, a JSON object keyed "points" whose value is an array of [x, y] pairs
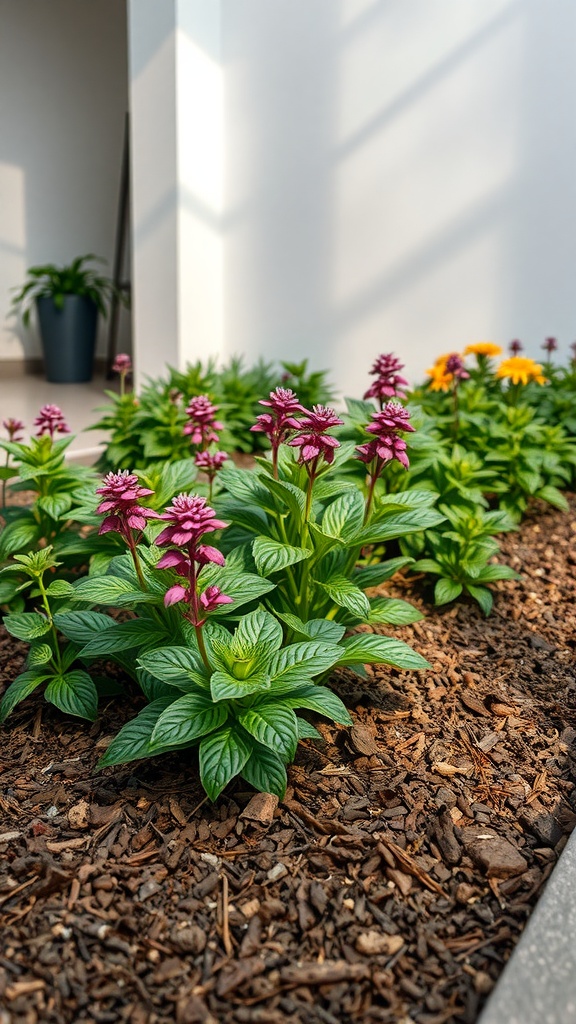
{"points": [[176, 108]]}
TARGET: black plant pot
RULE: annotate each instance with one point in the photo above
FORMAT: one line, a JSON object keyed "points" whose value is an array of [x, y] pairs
{"points": [[69, 338]]}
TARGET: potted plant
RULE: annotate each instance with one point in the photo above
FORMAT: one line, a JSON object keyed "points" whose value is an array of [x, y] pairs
{"points": [[68, 300]]}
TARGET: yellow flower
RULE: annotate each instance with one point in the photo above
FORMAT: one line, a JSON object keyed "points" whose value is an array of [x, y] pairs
{"points": [[521, 370], [441, 380], [483, 348]]}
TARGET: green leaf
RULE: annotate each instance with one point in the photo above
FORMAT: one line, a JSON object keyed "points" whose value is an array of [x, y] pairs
{"points": [[483, 596], [258, 629], [347, 595], [123, 636], [321, 700], [393, 611], [490, 573], [292, 497], [74, 693], [398, 525], [188, 718], [296, 664], [224, 686], [20, 688], [223, 755], [274, 725], [60, 588], [27, 625], [314, 629], [427, 565], [271, 556], [39, 654], [21, 535], [344, 517], [446, 590], [370, 649], [110, 590], [55, 504], [133, 740], [176, 666], [153, 688], [553, 496], [374, 575], [265, 771], [307, 731], [241, 587], [82, 626]]}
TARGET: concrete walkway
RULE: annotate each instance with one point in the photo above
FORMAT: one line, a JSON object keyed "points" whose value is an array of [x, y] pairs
{"points": [[538, 986]]}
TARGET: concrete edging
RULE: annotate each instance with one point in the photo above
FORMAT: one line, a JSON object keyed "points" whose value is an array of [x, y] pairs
{"points": [[538, 984]]}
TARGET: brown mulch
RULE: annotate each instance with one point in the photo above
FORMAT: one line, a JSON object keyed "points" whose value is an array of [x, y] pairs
{"points": [[389, 886]]}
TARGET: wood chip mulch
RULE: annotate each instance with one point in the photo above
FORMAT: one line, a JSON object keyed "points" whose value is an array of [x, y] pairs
{"points": [[389, 886]]}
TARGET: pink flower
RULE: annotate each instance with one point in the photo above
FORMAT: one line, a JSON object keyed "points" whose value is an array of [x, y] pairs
{"points": [[516, 346], [387, 445], [550, 345], [280, 422], [50, 420], [389, 383], [190, 518], [121, 494], [312, 439], [212, 597], [122, 364], [455, 365], [210, 462], [14, 427], [203, 423]]}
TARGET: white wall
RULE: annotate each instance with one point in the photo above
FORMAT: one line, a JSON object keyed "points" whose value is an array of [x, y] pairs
{"points": [[63, 84], [400, 175], [176, 102]]}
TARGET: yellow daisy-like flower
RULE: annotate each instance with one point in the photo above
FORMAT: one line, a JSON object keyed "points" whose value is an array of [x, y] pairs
{"points": [[483, 348], [521, 370], [441, 380]]}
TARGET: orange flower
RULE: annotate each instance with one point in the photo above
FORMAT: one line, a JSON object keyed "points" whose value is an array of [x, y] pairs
{"points": [[483, 348], [521, 370], [441, 380]]}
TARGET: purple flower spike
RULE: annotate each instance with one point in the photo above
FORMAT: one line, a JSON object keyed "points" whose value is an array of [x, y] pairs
{"points": [[122, 364], [190, 517], [387, 445], [516, 346], [455, 366], [203, 423], [50, 420], [550, 345], [312, 439], [14, 428], [210, 462], [121, 494], [389, 383]]}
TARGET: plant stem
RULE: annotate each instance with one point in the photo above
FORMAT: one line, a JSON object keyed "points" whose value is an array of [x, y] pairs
{"points": [[46, 604], [133, 551]]}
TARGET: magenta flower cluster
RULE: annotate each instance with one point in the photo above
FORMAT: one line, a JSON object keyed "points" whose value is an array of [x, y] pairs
{"points": [[121, 494], [122, 364], [50, 420], [190, 518], [386, 445], [14, 428], [280, 422], [312, 438], [202, 424], [388, 383], [516, 346], [455, 365], [210, 462], [550, 345]]}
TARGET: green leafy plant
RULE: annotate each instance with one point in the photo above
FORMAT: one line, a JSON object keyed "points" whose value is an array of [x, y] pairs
{"points": [[56, 282], [70, 688]]}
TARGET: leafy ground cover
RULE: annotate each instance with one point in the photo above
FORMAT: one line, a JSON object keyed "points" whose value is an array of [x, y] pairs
{"points": [[366, 894]]}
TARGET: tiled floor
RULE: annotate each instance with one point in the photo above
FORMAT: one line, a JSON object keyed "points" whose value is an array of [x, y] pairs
{"points": [[22, 396]]}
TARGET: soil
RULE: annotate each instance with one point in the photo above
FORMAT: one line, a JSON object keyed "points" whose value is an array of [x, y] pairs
{"points": [[390, 885]]}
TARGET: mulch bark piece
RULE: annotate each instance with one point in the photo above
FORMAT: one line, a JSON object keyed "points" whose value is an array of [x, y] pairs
{"points": [[370, 893]]}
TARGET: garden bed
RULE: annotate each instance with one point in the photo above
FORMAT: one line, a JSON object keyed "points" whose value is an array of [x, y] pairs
{"points": [[390, 885]]}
